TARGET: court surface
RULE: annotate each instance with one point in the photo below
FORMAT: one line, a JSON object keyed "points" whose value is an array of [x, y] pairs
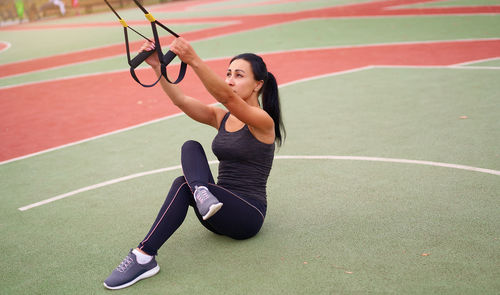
{"points": [[388, 181]]}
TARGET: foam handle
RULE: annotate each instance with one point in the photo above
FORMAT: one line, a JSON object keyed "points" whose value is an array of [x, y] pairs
{"points": [[140, 58]]}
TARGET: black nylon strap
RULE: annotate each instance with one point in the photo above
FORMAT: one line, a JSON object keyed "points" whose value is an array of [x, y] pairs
{"points": [[120, 18], [142, 56], [167, 29], [134, 63], [112, 9], [182, 71], [169, 56], [141, 7]]}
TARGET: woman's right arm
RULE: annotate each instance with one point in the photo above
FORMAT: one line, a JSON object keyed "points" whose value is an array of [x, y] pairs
{"points": [[203, 113]]}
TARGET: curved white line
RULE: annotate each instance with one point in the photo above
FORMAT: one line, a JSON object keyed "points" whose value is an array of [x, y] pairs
{"points": [[350, 158], [392, 160], [96, 186]]}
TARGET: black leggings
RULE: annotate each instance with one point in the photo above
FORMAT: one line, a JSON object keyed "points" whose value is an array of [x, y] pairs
{"points": [[239, 217]]}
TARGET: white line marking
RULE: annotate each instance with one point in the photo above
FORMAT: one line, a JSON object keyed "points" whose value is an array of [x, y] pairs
{"points": [[474, 67], [384, 67], [349, 158], [92, 138], [326, 75], [57, 68], [437, 67], [461, 66], [96, 186], [392, 160], [476, 61], [229, 57], [59, 54], [103, 184], [49, 80]]}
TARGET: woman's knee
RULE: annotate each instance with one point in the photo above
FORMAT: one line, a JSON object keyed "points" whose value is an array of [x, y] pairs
{"points": [[178, 182], [190, 144], [180, 190]]}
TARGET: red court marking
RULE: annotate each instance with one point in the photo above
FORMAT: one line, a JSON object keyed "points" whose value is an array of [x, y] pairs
{"points": [[65, 111], [186, 5], [4, 46], [243, 5], [243, 23]]}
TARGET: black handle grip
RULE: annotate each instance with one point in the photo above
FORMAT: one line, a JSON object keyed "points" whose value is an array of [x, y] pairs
{"points": [[140, 58], [168, 57]]}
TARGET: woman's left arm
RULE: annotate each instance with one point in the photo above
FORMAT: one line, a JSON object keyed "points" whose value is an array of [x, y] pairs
{"points": [[252, 116]]}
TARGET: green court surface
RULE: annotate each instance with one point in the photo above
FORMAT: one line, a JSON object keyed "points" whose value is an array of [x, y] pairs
{"points": [[388, 181]]}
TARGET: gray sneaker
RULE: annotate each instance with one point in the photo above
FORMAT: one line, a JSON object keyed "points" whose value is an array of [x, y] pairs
{"points": [[206, 203], [130, 271]]}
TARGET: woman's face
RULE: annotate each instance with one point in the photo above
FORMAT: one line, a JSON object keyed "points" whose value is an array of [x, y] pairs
{"points": [[240, 78]]}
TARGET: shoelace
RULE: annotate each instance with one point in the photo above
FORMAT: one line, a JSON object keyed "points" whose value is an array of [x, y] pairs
{"points": [[125, 263], [202, 195]]}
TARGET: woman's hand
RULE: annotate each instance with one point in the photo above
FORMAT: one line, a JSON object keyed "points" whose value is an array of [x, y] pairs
{"points": [[152, 60], [179, 46], [184, 51]]}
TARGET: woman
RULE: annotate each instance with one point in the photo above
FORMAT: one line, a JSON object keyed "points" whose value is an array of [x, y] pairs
{"points": [[236, 205]]}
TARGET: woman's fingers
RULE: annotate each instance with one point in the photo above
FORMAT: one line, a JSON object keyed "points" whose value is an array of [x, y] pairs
{"points": [[147, 46], [182, 49]]}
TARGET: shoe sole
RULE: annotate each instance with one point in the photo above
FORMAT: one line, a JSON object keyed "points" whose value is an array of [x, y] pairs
{"points": [[212, 210], [145, 275]]}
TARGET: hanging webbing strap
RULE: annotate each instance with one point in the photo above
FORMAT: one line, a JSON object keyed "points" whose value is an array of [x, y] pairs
{"points": [[169, 56], [142, 56]]}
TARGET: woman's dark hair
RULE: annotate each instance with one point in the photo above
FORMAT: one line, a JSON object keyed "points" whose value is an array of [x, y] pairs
{"points": [[269, 91]]}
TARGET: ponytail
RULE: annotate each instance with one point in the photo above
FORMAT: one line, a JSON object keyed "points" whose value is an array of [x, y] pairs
{"points": [[271, 104], [269, 91]]}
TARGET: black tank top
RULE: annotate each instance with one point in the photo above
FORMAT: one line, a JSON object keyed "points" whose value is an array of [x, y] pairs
{"points": [[245, 162]]}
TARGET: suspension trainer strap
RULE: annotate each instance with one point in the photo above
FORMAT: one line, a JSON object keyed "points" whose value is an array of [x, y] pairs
{"points": [[166, 59], [141, 57]]}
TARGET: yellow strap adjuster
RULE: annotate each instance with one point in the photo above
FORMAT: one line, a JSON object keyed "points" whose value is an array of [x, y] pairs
{"points": [[150, 17], [124, 24]]}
